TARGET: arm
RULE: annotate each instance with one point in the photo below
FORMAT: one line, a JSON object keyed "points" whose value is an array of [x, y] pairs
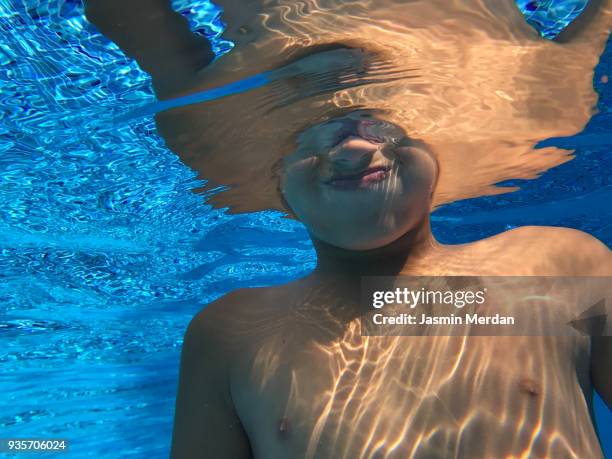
{"points": [[601, 346], [601, 366], [156, 36], [589, 258], [206, 424]]}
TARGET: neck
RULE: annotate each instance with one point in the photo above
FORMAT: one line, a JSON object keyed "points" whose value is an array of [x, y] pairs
{"points": [[388, 260]]}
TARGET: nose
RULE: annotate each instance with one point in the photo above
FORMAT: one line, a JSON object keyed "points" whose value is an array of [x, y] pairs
{"points": [[352, 153]]}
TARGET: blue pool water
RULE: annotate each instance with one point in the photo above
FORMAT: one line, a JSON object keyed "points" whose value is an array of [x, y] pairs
{"points": [[106, 254]]}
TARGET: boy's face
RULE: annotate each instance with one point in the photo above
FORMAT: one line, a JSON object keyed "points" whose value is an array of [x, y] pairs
{"points": [[357, 182]]}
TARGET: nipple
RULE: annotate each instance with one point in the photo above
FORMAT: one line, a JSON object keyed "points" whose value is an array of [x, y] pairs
{"points": [[284, 427], [529, 386]]}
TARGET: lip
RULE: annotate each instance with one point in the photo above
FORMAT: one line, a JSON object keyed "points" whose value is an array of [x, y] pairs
{"points": [[362, 179]]}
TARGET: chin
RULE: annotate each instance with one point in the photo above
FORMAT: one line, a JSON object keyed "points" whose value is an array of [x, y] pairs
{"points": [[361, 242], [366, 246]]}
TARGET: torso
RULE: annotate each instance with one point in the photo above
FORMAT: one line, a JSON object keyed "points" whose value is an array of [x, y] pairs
{"points": [[308, 385]]}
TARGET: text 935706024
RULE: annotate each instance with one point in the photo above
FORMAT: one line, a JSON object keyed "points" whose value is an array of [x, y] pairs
{"points": [[31, 445]]}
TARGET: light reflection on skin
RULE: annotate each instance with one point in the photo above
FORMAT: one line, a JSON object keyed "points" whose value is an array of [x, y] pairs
{"points": [[353, 396]]}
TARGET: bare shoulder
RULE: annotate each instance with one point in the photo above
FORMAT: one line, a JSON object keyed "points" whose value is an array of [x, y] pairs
{"points": [[560, 237], [205, 415], [553, 251], [228, 314], [236, 319]]}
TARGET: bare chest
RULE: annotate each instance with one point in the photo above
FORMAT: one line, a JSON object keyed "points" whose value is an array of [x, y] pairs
{"points": [[436, 397]]}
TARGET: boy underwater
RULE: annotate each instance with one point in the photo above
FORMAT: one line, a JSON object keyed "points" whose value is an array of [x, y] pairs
{"points": [[451, 98]]}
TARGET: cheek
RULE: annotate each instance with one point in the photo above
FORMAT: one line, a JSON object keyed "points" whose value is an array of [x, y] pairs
{"points": [[299, 180], [418, 171]]}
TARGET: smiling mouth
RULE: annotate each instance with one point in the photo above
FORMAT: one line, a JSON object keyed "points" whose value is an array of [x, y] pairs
{"points": [[362, 179]]}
